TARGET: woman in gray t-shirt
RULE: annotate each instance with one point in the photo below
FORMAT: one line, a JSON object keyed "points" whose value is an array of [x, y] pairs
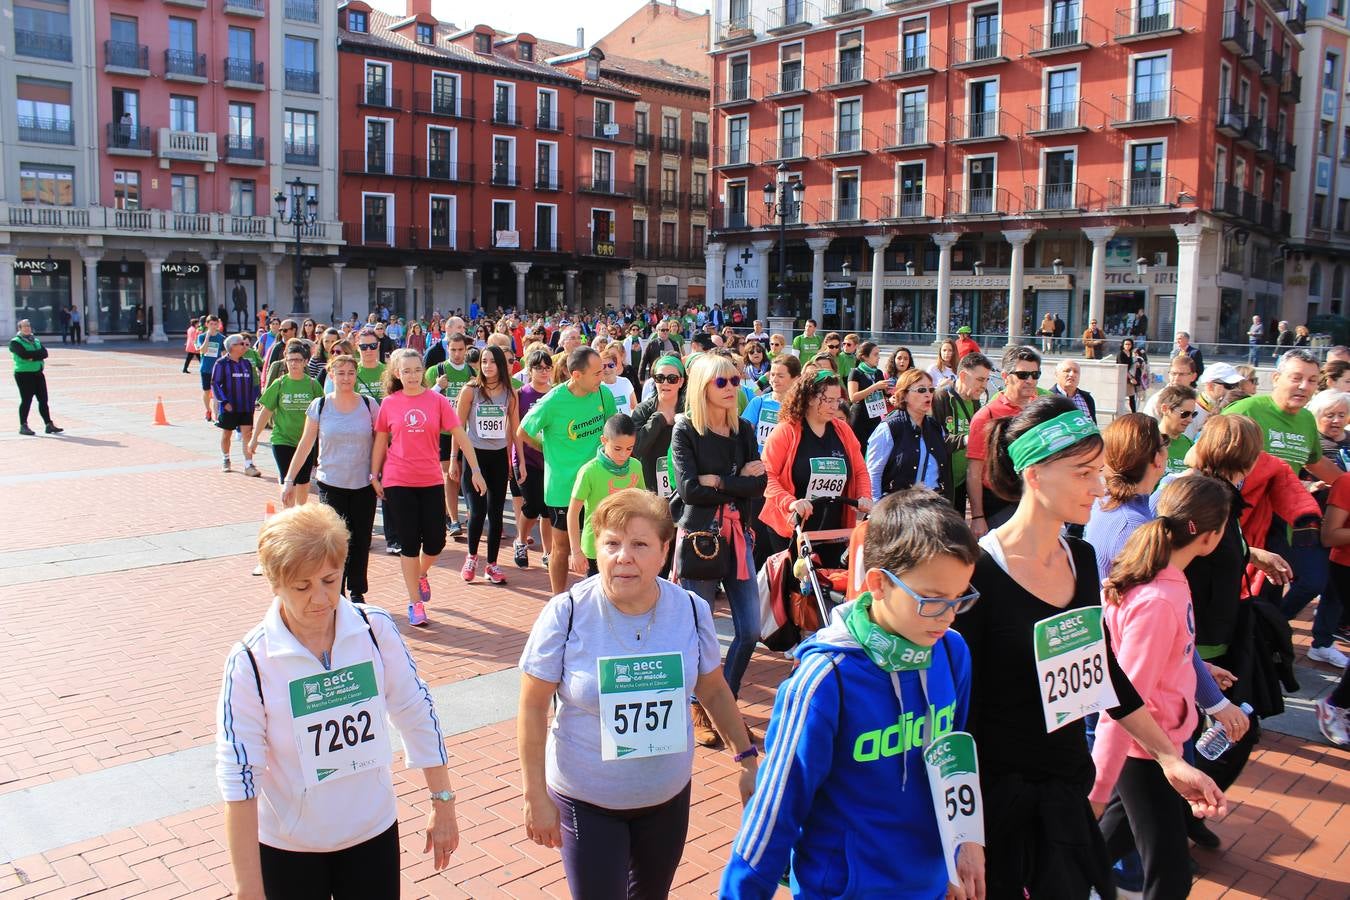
{"points": [[490, 411], [624, 652], [343, 424]]}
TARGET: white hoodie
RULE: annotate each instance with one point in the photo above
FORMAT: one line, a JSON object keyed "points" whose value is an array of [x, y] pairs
{"points": [[257, 753]]}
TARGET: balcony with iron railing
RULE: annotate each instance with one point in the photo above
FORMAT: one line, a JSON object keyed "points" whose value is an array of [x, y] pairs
{"points": [[1144, 191], [301, 153], [1065, 117], [790, 84], [547, 120], [698, 149], [915, 63], [444, 239], [1058, 198], [243, 72], [731, 156], [980, 201], [506, 114], [1272, 69], [46, 130], [42, 44], [1251, 132], [379, 162], [1254, 57], [670, 199], [1297, 19], [184, 66], [987, 125], [1291, 86], [740, 92], [244, 148], [1235, 32], [602, 130], [381, 96], [724, 219], [1285, 155], [548, 180], [1144, 108], [451, 170], [126, 58], [738, 30], [643, 195], [604, 184], [911, 133], [790, 16], [128, 140], [698, 202], [848, 143], [443, 103], [846, 211], [254, 8], [1266, 143], [909, 205], [547, 243], [642, 140], [1232, 118], [1279, 5], [672, 145], [1154, 19], [504, 175], [788, 149], [304, 81], [1065, 35], [302, 10], [848, 73], [981, 51], [843, 10]]}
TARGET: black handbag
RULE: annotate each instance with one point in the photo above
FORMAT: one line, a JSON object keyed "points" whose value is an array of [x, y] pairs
{"points": [[704, 555]]}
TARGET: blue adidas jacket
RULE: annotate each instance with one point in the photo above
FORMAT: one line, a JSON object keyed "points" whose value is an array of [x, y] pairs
{"points": [[834, 794]]}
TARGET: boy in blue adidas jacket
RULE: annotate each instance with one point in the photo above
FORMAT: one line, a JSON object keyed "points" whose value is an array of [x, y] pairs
{"points": [[842, 794]]}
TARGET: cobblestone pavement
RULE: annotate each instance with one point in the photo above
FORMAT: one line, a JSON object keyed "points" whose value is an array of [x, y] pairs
{"points": [[127, 561]]}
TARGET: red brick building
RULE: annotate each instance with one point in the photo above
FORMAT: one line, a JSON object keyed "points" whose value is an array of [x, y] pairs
{"points": [[977, 162], [473, 168], [662, 32]]}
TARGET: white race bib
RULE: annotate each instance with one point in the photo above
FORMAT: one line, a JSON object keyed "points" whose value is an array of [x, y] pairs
{"points": [[663, 485], [1071, 666], [643, 707], [829, 477], [338, 721], [954, 780], [768, 419], [876, 404], [490, 421]]}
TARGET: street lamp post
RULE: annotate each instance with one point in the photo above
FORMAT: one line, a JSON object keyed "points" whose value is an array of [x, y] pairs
{"points": [[779, 204], [301, 219]]}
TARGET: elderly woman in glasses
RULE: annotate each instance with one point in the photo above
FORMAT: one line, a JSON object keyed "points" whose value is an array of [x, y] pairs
{"points": [[833, 764], [909, 447]]}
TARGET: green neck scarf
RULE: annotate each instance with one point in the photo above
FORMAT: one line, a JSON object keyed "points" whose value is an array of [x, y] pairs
{"points": [[867, 370], [889, 651], [611, 467]]}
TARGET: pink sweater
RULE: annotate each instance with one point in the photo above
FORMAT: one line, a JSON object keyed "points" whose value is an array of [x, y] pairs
{"points": [[1153, 635]]}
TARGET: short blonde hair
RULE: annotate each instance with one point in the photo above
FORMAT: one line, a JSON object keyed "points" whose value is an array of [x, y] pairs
{"points": [[704, 368], [619, 510], [295, 542]]}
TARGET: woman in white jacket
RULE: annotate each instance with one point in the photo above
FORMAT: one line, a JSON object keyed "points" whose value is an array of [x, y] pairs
{"points": [[303, 722]]}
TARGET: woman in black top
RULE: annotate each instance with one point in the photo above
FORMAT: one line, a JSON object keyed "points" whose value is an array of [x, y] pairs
{"points": [[867, 389], [655, 419], [1042, 839]]}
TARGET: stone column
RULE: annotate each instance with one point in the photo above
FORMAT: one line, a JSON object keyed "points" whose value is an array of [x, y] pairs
{"points": [[1097, 285], [570, 288], [8, 323], [818, 247], [470, 287], [521, 269], [337, 269], [878, 243], [1016, 291], [713, 263], [627, 288], [213, 289], [944, 283], [409, 274], [89, 304], [269, 262], [154, 288], [762, 250], [1188, 278]]}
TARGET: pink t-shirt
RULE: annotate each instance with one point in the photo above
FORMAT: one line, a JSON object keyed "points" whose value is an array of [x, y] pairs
{"points": [[414, 425]]}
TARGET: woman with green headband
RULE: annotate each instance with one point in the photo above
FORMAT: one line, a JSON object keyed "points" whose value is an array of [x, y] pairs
{"points": [[654, 418], [1042, 662], [868, 389]]}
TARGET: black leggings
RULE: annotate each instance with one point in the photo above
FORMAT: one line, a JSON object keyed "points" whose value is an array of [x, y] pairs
{"points": [[1146, 813], [32, 385], [357, 509], [622, 854], [493, 464], [367, 871], [187, 360]]}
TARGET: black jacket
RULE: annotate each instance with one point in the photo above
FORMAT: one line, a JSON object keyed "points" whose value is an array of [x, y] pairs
{"points": [[944, 410], [711, 454], [653, 437], [1087, 398]]}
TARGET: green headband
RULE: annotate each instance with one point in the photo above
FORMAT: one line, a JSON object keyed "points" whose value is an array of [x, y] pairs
{"points": [[670, 361], [822, 374], [1048, 438]]}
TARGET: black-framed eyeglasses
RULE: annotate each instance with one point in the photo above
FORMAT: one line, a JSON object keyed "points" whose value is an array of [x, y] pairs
{"points": [[934, 607], [722, 381], [666, 379], [1027, 376], [541, 365]]}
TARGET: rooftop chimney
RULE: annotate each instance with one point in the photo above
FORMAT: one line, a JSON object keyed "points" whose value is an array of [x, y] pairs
{"points": [[581, 37], [417, 7]]}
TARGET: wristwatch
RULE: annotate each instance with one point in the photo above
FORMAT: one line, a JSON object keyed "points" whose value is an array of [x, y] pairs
{"points": [[443, 796]]}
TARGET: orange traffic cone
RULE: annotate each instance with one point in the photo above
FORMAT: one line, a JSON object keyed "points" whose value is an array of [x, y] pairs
{"points": [[159, 412]]}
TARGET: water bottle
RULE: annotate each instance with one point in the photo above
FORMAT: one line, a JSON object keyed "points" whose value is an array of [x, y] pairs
{"points": [[1214, 741]]}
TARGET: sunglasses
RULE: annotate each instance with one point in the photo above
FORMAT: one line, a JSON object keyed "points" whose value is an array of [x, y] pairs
{"points": [[933, 607], [1027, 376], [1185, 413], [611, 365], [666, 379], [831, 346], [921, 390], [368, 346], [721, 382]]}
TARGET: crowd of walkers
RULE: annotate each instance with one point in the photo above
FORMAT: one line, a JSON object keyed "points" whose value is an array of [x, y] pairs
{"points": [[1062, 641]]}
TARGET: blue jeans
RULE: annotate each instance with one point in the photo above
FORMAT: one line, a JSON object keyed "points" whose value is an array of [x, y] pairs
{"points": [[1253, 350], [1311, 579], [744, 599]]}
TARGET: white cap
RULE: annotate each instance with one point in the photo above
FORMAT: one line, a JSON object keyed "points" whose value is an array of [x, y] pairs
{"points": [[1221, 372]]}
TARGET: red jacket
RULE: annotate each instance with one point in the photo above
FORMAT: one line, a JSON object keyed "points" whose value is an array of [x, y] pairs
{"points": [[1272, 489], [779, 452]]}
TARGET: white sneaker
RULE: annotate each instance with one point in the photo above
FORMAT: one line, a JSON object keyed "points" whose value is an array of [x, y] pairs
{"points": [[1329, 655], [1332, 722], [258, 569]]}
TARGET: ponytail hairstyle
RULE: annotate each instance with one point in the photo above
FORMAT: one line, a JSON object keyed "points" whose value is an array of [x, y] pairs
{"points": [[392, 383], [1007, 481], [1188, 507], [1133, 441]]}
